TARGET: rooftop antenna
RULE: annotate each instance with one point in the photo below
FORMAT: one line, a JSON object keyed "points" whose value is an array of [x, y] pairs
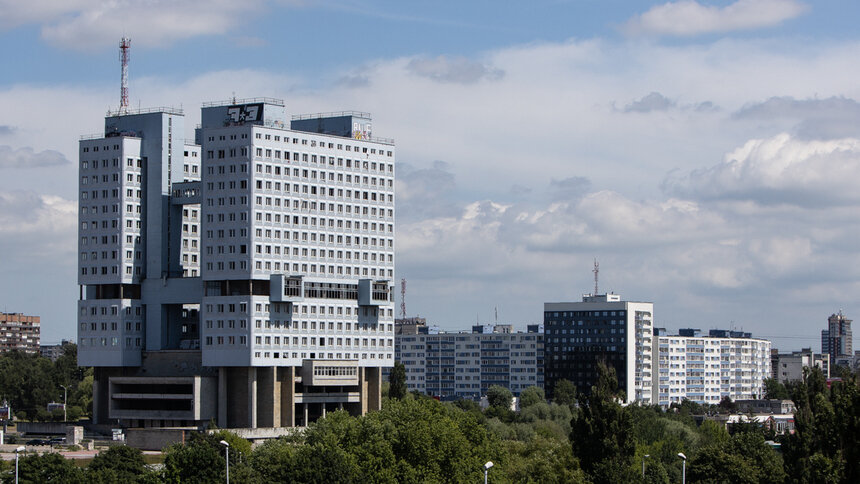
{"points": [[403, 298], [596, 271], [497, 314], [124, 46]]}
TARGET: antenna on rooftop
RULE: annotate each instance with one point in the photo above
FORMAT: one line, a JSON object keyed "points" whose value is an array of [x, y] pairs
{"points": [[596, 271], [497, 314], [124, 46], [403, 298]]}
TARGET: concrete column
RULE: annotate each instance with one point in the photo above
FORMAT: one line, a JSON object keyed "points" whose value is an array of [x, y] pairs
{"points": [[323, 409], [96, 404], [287, 385], [222, 397], [374, 388], [266, 405], [252, 397], [362, 390], [306, 415]]}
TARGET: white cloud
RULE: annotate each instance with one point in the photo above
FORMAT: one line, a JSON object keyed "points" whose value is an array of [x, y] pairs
{"points": [[689, 17], [87, 24], [780, 169], [457, 70]]}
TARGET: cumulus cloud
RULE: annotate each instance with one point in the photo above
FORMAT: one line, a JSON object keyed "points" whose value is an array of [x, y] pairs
{"points": [[569, 188], [6, 130], [833, 117], [781, 169], [29, 219], [28, 158], [689, 17], [85, 24], [652, 102], [458, 70]]}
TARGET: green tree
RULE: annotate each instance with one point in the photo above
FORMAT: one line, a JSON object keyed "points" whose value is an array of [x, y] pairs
{"points": [[50, 467], [564, 393], [397, 380], [531, 396], [126, 463], [773, 389], [602, 435], [499, 397], [202, 459], [541, 460], [744, 459]]}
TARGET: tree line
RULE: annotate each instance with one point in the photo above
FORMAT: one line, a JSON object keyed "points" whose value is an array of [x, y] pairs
{"points": [[574, 438], [28, 382]]}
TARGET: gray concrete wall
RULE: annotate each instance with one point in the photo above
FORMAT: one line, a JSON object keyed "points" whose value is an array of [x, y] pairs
{"points": [[156, 439]]}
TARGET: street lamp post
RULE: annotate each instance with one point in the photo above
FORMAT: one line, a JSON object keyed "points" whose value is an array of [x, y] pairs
{"points": [[65, 410], [227, 458], [487, 467], [683, 467], [18, 450], [643, 464]]}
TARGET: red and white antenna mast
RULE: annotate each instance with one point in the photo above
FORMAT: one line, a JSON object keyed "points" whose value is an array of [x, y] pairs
{"points": [[403, 298], [124, 46]]}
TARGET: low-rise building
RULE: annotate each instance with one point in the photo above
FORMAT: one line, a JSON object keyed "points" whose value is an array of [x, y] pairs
{"points": [[454, 365]]}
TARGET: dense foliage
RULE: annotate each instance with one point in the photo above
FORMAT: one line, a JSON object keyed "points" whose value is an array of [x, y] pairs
{"points": [[576, 438], [29, 382]]}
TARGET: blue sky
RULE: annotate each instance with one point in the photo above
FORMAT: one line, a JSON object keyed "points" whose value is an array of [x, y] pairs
{"points": [[707, 153]]}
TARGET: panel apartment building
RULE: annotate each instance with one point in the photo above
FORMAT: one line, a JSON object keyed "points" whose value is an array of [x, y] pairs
{"points": [[704, 369], [245, 277], [601, 327], [463, 365], [19, 332]]}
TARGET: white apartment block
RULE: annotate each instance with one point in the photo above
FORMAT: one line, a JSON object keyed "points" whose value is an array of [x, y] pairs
{"points": [[604, 328], [248, 275], [462, 365], [704, 369]]}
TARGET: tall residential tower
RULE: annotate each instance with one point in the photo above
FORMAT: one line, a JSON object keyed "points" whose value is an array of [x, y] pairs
{"points": [[247, 276]]}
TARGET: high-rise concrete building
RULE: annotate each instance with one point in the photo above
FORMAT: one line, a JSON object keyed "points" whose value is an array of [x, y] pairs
{"points": [[19, 332], [704, 369], [247, 275], [604, 328], [459, 365], [837, 339]]}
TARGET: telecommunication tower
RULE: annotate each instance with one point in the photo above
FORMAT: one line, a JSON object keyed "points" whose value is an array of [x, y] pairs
{"points": [[596, 271], [124, 46]]}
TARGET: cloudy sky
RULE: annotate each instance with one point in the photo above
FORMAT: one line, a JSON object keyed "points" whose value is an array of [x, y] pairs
{"points": [[706, 153]]}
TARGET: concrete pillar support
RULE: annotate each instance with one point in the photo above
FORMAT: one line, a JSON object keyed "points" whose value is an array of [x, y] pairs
{"points": [[222, 397], [252, 397]]}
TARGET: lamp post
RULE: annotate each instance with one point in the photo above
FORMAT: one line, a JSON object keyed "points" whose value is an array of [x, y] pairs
{"points": [[683, 467], [65, 411], [227, 458], [487, 467], [18, 450], [643, 464]]}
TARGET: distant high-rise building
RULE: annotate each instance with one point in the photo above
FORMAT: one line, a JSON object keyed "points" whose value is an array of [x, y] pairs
{"points": [[19, 332], [604, 328], [836, 340]]}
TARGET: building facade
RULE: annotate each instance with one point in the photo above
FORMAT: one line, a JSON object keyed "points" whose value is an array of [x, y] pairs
{"points": [[247, 274], [464, 365], [786, 367], [704, 369], [604, 328], [19, 332]]}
